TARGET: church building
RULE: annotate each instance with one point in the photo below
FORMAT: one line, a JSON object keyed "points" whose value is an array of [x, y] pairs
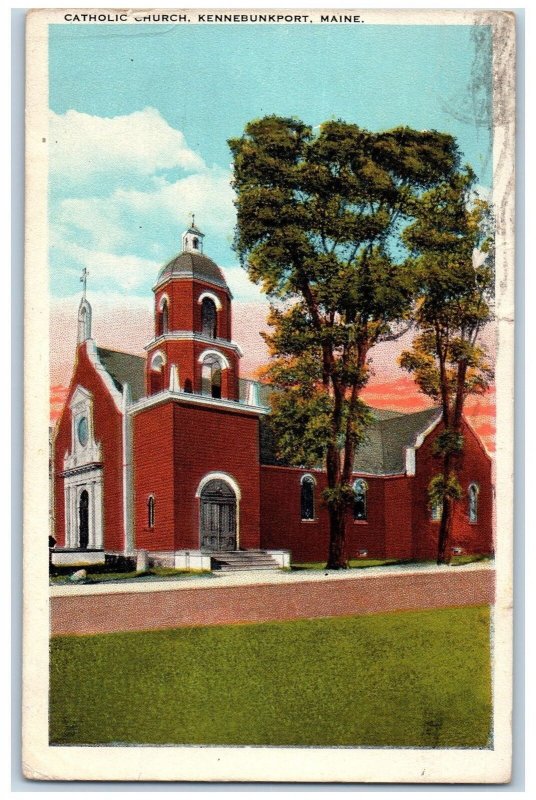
{"points": [[169, 454]]}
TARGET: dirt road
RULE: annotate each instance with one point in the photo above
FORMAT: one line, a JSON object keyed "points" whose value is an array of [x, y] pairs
{"points": [[133, 611]]}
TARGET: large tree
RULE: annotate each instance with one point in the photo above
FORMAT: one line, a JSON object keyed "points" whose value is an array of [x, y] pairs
{"points": [[317, 216], [451, 243]]}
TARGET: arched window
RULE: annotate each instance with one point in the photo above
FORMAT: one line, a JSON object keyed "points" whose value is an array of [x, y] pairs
{"points": [[360, 500], [307, 497], [473, 502], [157, 373], [163, 317], [208, 318], [211, 376], [195, 243], [150, 512]]}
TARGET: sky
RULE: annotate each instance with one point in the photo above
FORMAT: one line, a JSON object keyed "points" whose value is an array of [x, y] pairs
{"points": [[140, 116]]}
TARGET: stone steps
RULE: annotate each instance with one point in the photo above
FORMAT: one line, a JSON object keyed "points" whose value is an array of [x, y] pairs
{"points": [[242, 560]]}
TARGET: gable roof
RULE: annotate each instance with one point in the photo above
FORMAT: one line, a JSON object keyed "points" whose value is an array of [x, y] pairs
{"points": [[383, 452], [124, 368]]}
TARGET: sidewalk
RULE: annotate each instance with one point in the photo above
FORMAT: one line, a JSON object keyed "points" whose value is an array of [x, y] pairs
{"points": [[220, 580]]}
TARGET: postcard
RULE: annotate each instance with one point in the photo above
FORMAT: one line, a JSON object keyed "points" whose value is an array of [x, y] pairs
{"points": [[269, 316]]}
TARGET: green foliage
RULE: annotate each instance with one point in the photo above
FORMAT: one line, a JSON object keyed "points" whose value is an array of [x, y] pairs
{"points": [[340, 496], [439, 490], [451, 245], [448, 441], [301, 422]]}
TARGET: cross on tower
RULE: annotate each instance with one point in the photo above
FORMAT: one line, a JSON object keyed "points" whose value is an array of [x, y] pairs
{"points": [[83, 279], [193, 220]]}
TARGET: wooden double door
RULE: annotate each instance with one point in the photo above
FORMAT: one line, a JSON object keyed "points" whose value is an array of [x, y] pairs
{"points": [[218, 516]]}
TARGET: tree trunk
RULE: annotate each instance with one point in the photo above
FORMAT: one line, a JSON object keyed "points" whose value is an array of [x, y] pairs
{"points": [[449, 462], [443, 556], [337, 558]]}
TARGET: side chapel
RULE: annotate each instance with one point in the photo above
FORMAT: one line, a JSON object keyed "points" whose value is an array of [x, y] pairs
{"points": [[170, 454]]}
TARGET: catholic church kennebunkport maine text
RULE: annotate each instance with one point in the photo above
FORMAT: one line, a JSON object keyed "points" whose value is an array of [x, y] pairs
{"points": [[170, 454]]}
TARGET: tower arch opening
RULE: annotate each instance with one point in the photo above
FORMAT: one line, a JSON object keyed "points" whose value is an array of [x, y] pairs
{"points": [[156, 375], [211, 369], [209, 318]]}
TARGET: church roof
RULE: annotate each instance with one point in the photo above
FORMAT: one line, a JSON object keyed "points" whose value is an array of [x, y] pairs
{"points": [[383, 452], [193, 265], [124, 368]]}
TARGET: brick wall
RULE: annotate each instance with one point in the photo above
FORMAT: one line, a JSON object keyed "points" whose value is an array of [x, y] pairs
{"points": [[175, 446], [474, 467], [308, 540]]}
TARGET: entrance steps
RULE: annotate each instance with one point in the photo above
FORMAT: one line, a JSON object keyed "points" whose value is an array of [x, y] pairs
{"points": [[237, 560]]}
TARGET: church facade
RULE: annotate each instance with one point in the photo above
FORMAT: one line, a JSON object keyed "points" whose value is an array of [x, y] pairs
{"points": [[170, 455]]}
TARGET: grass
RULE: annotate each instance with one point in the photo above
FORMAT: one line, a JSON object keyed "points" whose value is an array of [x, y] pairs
{"points": [[361, 563], [353, 563], [458, 561], [150, 574], [406, 679]]}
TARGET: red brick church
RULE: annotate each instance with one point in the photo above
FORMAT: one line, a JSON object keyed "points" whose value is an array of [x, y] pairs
{"points": [[170, 454]]}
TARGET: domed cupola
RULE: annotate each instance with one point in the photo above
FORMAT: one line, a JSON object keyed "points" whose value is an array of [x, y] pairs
{"points": [[192, 325], [191, 263]]}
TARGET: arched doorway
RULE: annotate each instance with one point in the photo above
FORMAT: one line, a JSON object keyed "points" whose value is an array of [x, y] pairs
{"points": [[218, 516], [83, 511]]}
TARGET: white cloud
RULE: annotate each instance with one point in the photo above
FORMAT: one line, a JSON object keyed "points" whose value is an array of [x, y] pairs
{"points": [[125, 271], [128, 233], [115, 210], [208, 194], [82, 145], [241, 286]]}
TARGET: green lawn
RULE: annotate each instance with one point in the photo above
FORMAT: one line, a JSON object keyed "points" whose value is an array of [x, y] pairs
{"points": [[404, 679], [102, 576], [361, 563], [353, 563]]}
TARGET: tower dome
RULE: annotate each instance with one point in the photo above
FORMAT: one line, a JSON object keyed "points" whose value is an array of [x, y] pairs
{"points": [[195, 266], [191, 263]]}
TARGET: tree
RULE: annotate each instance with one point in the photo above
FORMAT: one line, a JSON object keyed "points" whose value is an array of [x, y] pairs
{"points": [[451, 242], [316, 222]]}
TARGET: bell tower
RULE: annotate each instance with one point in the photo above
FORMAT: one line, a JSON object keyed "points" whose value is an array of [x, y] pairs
{"points": [[192, 239], [192, 349]]}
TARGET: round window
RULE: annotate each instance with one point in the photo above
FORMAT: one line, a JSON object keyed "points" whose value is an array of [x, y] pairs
{"points": [[83, 431]]}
